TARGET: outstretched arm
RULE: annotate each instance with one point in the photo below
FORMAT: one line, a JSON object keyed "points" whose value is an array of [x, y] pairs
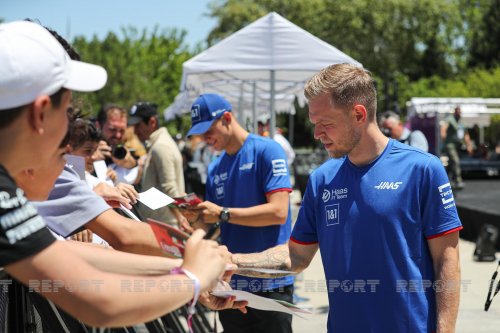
{"points": [[292, 256], [105, 299], [113, 261]]}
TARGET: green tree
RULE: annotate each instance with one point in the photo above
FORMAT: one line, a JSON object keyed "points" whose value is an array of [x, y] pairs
{"points": [[485, 46], [140, 66], [415, 38]]}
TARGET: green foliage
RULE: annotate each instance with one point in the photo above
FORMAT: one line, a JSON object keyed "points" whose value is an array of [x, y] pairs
{"points": [[485, 46], [476, 83], [140, 66], [415, 38]]}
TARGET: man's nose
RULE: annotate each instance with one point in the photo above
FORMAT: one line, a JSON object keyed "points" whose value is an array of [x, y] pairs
{"points": [[318, 133]]}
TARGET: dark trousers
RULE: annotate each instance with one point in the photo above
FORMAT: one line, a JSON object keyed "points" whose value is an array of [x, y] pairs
{"points": [[454, 163], [258, 321]]}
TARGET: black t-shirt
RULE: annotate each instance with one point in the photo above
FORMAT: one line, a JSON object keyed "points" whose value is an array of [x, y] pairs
{"points": [[22, 231]]}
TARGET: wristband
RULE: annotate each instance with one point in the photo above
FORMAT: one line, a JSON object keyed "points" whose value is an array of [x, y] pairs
{"points": [[197, 290]]}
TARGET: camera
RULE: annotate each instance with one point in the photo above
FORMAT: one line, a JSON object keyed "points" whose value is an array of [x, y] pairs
{"points": [[119, 152]]}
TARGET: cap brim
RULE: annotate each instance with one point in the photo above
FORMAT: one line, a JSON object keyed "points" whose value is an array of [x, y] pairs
{"points": [[132, 121], [85, 77], [200, 128]]}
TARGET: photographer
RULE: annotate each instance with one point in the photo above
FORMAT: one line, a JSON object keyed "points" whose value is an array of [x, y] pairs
{"points": [[123, 165]]}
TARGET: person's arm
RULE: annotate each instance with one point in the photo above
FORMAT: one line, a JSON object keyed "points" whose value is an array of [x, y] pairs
{"points": [[293, 257], [274, 212], [125, 234], [111, 195], [112, 261], [445, 258], [104, 299]]}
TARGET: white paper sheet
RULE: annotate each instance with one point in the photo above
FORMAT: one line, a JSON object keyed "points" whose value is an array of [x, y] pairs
{"points": [[154, 198], [261, 303]]}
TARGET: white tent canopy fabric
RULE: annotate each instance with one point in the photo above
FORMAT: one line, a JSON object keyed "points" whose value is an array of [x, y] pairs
{"points": [[263, 66]]}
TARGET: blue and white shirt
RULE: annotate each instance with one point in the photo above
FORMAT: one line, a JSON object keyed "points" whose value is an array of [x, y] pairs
{"points": [[242, 180], [372, 224]]}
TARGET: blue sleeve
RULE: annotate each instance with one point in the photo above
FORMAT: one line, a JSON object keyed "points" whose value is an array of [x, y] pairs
{"points": [[274, 169], [439, 212], [71, 204], [305, 231]]}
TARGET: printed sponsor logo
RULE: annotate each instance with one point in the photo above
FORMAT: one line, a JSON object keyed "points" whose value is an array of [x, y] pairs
{"points": [[219, 191], [388, 185], [223, 176], [216, 179], [446, 194], [326, 195], [246, 166], [279, 167], [195, 113], [332, 214], [334, 194]]}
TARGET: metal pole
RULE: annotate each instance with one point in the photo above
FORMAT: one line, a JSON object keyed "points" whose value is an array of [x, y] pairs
{"points": [[240, 106], [272, 124], [254, 107]]}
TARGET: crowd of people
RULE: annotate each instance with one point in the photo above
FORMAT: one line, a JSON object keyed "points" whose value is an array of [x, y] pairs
{"points": [[381, 210]]}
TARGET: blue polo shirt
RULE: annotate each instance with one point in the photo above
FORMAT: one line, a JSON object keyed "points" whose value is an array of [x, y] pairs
{"points": [[372, 224], [243, 180]]}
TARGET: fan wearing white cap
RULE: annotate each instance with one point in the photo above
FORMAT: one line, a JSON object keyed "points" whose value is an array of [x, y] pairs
{"points": [[36, 79]]}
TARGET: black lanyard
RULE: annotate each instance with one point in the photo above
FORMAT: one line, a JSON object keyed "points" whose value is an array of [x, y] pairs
{"points": [[489, 298]]}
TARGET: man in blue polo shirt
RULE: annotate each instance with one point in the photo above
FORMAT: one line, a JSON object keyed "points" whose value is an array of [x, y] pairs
{"points": [[382, 214], [247, 192]]}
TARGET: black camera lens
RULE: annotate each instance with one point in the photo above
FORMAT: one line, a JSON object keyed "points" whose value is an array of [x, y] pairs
{"points": [[119, 152]]}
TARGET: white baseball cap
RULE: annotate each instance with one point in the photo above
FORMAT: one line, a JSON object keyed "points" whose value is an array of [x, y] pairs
{"points": [[33, 63]]}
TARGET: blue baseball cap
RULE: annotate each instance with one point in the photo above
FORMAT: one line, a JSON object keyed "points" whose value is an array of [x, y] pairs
{"points": [[205, 110]]}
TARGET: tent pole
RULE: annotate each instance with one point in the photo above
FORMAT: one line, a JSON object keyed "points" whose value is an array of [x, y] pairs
{"points": [[272, 125], [254, 107], [240, 116]]}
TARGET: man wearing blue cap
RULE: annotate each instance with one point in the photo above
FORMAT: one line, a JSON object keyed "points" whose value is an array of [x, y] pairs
{"points": [[247, 192]]}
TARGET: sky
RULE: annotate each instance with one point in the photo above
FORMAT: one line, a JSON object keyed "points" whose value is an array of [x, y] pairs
{"points": [[72, 18]]}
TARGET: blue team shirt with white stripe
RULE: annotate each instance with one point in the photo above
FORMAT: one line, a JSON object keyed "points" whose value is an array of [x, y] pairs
{"points": [[372, 224], [243, 180]]}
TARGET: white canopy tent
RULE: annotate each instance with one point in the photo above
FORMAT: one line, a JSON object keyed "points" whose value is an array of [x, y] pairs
{"points": [[261, 68]]}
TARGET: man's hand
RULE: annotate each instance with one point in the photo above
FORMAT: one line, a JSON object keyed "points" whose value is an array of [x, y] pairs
{"points": [[83, 236], [206, 212], [128, 162], [102, 152], [111, 174], [111, 195], [128, 191], [204, 259], [218, 303]]}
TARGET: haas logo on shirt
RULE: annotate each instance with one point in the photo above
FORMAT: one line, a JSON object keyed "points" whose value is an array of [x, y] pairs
{"points": [[388, 185]]}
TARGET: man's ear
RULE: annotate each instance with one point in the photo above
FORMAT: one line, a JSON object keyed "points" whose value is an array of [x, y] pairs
{"points": [[153, 122], [29, 174], [38, 113], [360, 113], [227, 117]]}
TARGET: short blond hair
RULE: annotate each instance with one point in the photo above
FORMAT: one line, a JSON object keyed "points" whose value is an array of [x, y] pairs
{"points": [[347, 84]]}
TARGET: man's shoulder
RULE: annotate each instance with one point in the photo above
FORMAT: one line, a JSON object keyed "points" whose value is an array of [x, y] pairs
{"points": [[406, 154]]}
